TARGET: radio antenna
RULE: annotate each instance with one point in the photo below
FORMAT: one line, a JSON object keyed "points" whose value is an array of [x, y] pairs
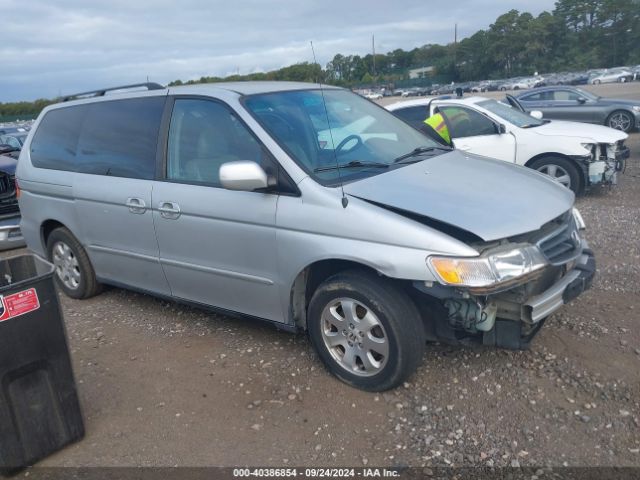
{"points": [[345, 200]]}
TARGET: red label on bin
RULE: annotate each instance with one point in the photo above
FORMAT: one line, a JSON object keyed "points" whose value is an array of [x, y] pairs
{"points": [[18, 304]]}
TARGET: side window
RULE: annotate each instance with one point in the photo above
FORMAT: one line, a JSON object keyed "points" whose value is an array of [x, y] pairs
{"points": [[56, 139], [464, 122], [414, 116], [537, 97], [119, 138], [565, 95], [203, 135]]}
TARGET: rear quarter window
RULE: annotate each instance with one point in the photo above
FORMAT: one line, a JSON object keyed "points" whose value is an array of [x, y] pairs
{"points": [[117, 138], [56, 139]]}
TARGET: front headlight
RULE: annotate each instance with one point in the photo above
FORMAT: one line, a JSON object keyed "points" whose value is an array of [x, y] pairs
{"points": [[578, 219], [491, 269], [636, 108]]}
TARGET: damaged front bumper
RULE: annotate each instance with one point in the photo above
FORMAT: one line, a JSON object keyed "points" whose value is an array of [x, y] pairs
{"points": [[511, 318], [604, 164], [566, 289]]}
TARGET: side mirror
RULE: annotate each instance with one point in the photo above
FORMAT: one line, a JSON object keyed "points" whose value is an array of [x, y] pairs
{"points": [[582, 100], [536, 114], [243, 175], [502, 129]]}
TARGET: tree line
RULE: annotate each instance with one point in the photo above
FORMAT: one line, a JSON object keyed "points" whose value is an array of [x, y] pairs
{"points": [[576, 35]]}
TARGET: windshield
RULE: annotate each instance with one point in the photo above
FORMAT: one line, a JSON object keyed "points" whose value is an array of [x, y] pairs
{"points": [[511, 115], [341, 128]]}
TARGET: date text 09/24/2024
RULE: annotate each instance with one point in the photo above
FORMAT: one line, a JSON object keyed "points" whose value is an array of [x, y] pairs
{"points": [[315, 472]]}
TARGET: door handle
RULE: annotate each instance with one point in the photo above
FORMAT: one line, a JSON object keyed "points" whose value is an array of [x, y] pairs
{"points": [[464, 148], [136, 205], [169, 210]]}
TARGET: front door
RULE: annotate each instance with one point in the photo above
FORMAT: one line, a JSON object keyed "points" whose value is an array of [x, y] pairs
{"points": [[473, 132], [217, 246]]}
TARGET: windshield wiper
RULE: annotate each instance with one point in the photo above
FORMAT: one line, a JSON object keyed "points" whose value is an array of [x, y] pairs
{"points": [[419, 151], [353, 164]]}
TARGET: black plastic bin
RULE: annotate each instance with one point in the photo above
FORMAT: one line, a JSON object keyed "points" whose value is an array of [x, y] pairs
{"points": [[39, 408]]}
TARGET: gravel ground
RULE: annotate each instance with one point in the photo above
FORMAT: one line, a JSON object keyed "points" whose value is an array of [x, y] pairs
{"points": [[164, 385]]}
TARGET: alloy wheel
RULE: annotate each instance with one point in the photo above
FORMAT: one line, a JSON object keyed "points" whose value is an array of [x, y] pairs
{"points": [[355, 337], [620, 121], [66, 265], [558, 173]]}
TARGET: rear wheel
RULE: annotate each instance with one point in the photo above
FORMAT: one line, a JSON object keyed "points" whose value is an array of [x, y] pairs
{"points": [[74, 273], [367, 331], [562, 170], [620, 120]]}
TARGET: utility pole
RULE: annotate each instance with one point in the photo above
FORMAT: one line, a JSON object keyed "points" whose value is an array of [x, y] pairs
{"points": [[455, 50], [373, 50]]}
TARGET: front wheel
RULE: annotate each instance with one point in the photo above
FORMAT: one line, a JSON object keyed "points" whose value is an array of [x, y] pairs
{"points": [[367, 331], [620, 120], [73, 270], [562, 170]]}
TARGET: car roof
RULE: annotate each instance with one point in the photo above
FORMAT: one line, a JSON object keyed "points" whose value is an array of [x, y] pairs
{"points": [[251, 88], [238, 88], [550, 88], [416, 102], [426, 100]]}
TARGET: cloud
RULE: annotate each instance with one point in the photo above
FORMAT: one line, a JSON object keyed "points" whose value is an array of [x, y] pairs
{"points": [[48, 48]]}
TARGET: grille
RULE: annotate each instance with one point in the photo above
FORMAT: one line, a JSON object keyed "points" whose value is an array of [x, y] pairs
{"points": [[563, 244], [9, 208], [7, 184], [8, 200]]}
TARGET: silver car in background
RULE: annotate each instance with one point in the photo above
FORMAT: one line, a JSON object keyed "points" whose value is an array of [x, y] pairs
{"points": [[312, 208]]}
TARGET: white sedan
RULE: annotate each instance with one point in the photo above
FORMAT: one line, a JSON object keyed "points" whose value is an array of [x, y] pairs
{"points": [[613, 75], [575, 154]]}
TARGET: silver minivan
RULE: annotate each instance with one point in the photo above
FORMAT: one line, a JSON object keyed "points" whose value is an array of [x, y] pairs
{"points": [[312, 208]]}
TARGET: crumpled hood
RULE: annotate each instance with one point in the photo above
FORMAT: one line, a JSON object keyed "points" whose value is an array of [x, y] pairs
{"points": [[490, 198], [597, 133]]}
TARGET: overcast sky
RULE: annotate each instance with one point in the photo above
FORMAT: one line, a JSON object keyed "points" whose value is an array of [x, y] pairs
{"points": [[54, 47]]}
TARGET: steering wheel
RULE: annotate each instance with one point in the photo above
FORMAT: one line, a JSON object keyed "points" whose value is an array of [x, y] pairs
{"points": [[346, 140]]}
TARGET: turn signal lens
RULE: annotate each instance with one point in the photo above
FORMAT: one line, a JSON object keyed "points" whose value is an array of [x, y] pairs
{"points": [[17, 189]]}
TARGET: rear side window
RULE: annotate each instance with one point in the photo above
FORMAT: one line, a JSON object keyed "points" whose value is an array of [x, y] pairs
{"points": [[54, 143], [565, 95], [414, 116], [119, 138]]}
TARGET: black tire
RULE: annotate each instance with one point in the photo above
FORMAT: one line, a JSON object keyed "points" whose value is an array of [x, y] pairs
{"points": [[545, 164], [87, 286], [620, 120], [395, 311]]}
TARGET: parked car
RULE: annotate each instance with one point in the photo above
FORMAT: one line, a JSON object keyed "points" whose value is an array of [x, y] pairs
{"points": [[613, 75], [242, 208], [373, 95], [569, 103], [15, 140], [10, 234], [575, 155]]}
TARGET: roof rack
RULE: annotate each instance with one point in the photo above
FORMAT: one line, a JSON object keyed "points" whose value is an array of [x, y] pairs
{"points": [[100, 93]]}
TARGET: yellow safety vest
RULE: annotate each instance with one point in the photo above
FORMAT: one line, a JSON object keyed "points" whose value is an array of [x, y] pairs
{"points": [[439, 125]]}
